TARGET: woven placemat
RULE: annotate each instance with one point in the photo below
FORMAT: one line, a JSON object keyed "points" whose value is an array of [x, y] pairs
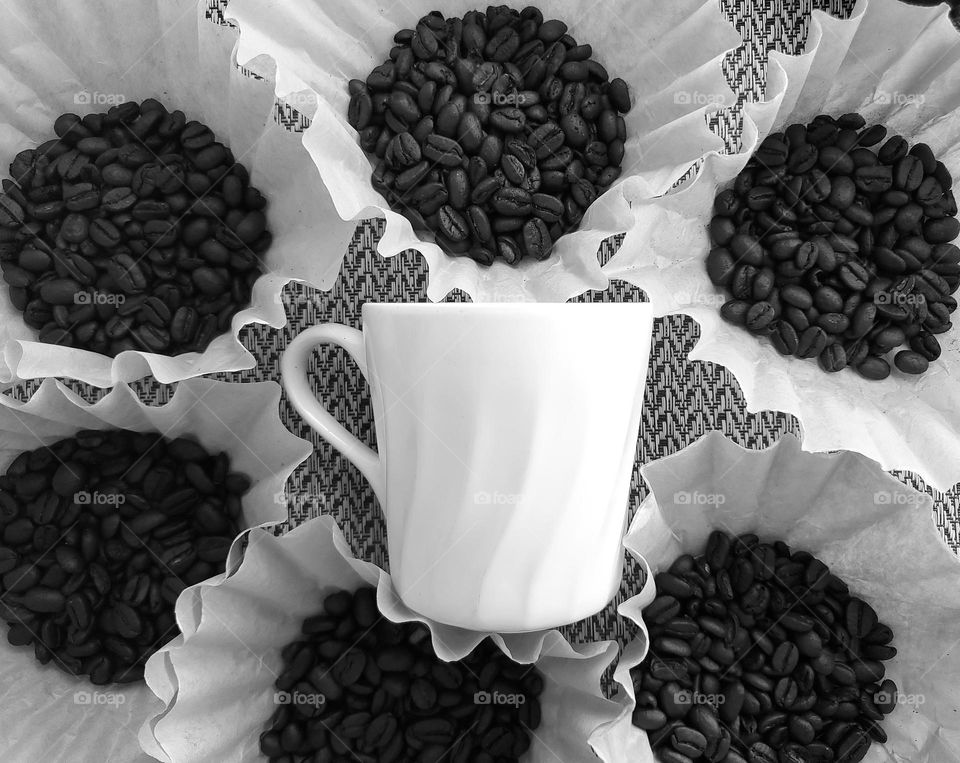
{"points": [[684, 399]]}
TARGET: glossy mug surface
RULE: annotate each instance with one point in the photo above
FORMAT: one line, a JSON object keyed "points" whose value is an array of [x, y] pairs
{"points": [[506, 437]]}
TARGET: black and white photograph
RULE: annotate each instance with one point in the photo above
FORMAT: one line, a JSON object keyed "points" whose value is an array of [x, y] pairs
{"points": [[395, 381]]}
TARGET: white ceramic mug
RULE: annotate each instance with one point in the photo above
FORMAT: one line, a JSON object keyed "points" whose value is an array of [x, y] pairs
{"points": [[506, 437]]}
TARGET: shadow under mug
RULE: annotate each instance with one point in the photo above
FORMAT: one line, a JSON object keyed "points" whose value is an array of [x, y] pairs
{"points": [[506, 436]]}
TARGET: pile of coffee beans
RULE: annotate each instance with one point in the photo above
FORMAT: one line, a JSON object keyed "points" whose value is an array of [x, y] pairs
{"points": [[358, 687], [99, 534], [835, 242], [133, 229], [494, 131], [760, 654]]}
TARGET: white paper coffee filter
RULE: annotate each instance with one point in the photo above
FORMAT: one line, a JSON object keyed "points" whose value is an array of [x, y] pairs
{"points": [[46, 714], [870, 529], [61, 56], [670, 55], [898, 65], [217, 680]]}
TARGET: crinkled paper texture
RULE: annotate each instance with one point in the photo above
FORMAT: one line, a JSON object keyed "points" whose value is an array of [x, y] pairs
{"points": [[670, 54], [216, 681], [56, 53], [899, 65], [872, 530], [41, 714]]}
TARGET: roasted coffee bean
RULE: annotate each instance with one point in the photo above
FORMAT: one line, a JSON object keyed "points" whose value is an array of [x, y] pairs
{"points": [[833, 358], [86, 561], [512, 202], [8, 559], [811, 342], [760, 316], [911, 362], [926, 344], [688, 741], [784, 338], [775, 670], [418, 707], [649, 719], [484, 106], [536, 239], [821, 226], [113, 223], [452, 224], [721, 266], [772, 152], [735, 311], [853, 747], [548, 208]]}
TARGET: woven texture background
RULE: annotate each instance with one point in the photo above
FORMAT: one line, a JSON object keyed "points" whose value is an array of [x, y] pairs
{"points": [[683, 401]]}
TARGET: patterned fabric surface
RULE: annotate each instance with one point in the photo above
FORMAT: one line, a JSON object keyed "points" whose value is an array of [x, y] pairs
{"points": [[683, 401]]}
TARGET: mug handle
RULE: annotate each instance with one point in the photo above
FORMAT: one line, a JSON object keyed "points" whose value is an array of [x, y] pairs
{"points": [[293, 374]]}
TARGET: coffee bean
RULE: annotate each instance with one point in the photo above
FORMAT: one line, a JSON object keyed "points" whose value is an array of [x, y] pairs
{"points": [[97, 574], [118, 200], [675, 700], [45, 600], [854, 276], [784, 338], [452, 224], [926, 344], [251, 226], [536, 239], [772, 152], [439, 710], [556, 132], [105, 204], [337, 604], [811, 342], [760, 316], [942, 230], [761, 753], [662, 609], [735, 311], [778, 696], [458, 188], [93, 146], [59, 291], [886, 697], [22, 578], [833, 358], [548, 208], [854, 747], [910, 362], [512, 202], [8, 559], [152, 338], [649, 719], [444, 151], [211, 282], [395, 659], [673, 585], [813, 235], [688, 741], [214, 549]]}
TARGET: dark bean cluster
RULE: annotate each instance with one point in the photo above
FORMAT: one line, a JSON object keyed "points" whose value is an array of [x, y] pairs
{"points": [[839, 251], [99, 534], [134, 229], [494, 131], [759, 654], [360, 688]]}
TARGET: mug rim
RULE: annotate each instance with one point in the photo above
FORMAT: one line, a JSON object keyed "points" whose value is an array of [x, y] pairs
{"points": [[498, 307]]}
